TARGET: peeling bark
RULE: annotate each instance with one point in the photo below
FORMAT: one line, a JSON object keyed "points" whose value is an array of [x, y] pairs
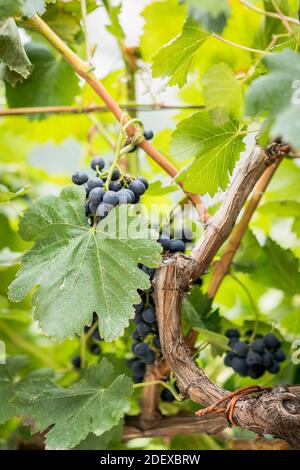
{"points": [[277, 411]]}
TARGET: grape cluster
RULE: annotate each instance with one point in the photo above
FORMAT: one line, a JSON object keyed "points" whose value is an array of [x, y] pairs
{"points": [[254, 358], [103, 195], [93, 342], [146, 347]]}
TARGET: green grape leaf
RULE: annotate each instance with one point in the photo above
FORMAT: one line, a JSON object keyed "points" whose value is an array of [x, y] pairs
{"points": [[115, 27], [279, 268], [174, 59], [6, 195], [10, 8], [79, 269], [51, 83], [196, 307], [215, 150], [218, 342], [157, 189], [9, 382], [246, 258], [222, 94], [277, 94], [12, 53], [9, 258], [155, 34], [94, 404]]}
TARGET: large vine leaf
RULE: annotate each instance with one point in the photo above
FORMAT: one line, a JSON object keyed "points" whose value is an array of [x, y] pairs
{"points": [[174, 59], [94, 404], [277, 94], [215, 150], [78, 269], [12, 52], [52, 81]]}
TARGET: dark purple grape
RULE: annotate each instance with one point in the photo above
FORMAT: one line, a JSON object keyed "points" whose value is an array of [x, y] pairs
{"points": [[135, 335], [115, 186], [279, 355], [239, 365], [111, 198], [76, 362], [141, 349], [150, 358], [253, 359], [115, 174], [149, 315], [267, 359], [167, 395], [143, 328], [126, 196], [255, 373], [80, 177], [258, 346], [97, 162], [177, 246], [232, 333], [271, 342], [138, 368], [241, 349], [94, 182], [137, 187], [274, 368], [148, 135], [144, 181], [95, 349], [228, 358]]}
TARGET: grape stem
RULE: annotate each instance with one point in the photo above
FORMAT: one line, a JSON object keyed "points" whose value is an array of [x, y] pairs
{"points": [[168, 386]]}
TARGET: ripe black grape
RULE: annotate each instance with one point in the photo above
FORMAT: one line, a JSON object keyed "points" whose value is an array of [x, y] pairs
{"points": [[232, 333], [176, 246], [279, 355], [148, 135], [241, 349], [239, 365], [111, 198], [274, 368], [144, 181], [76, 362], [94, 182], [137, 187], [253, 359], [149, 315], [143, 328], [272, 342], [167, 395], [115, 174], [141, 349], [258, 346], [97, 162], [115, 186], [80, 177]]}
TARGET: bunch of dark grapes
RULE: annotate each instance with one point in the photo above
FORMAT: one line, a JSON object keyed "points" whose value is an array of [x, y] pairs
{"points": [[146, 347], [254, 358], [93, 341], [100, 199]]}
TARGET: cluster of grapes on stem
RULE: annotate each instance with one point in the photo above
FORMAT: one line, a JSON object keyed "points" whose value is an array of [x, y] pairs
{"points": [[252, 357], [146, 347], [104, 191]]}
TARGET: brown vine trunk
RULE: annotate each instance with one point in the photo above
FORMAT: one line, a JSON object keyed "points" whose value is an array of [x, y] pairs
{"points": [[276, 411]]}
